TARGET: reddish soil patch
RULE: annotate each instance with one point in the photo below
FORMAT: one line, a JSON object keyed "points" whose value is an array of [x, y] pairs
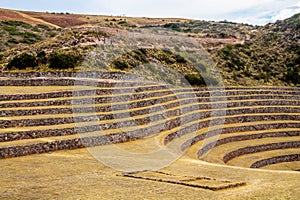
{"points": [[62, 20], [12, 15]]}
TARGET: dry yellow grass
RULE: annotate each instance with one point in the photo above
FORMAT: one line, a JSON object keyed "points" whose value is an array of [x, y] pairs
{"points": [[9, 90], [292, 166], [249, 159], [217, 153], [77, 175]]}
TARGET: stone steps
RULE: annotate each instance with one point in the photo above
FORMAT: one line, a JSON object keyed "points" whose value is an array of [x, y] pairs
{"points": [[286, 158], [110, 112], [222, 154], [249, 160]]}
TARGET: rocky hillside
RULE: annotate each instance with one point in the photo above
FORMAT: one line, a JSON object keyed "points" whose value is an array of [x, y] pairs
{"points": [[271, 58], [245, 54]]}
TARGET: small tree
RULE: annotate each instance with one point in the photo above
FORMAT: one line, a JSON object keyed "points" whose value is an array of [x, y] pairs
{"points": [[63, 60], [22, 61], [41, 57]]}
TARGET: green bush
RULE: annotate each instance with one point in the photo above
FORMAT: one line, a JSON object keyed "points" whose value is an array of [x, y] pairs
{"points": [[63, 60], [22, 61], [12, 30], [41, 57], [51, 34], [41, 26], [121, 65], [17, 23], [173, 26], [195, 79], [180, 59], [13, 40]]}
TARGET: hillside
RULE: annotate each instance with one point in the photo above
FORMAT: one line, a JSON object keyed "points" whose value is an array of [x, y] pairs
{"points": [[271, 58], [245, 54]]}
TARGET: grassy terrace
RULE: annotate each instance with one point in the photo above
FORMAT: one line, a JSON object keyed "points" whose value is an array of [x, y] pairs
{"points": [[217, 154], [185, 103], [248, 160], [252, 117], [294, 166], [11, 90]]}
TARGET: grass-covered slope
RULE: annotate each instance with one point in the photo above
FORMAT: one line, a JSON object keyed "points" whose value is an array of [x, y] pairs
{"points": [[13, 33], [272, 58], [244, 54]]}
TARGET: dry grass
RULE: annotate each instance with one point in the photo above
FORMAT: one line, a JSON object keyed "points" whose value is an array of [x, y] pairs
{"points": [[61, 20], [248, 159], [17, 16], [9, 90], [77, 175], [291, 166], [216, 154]]}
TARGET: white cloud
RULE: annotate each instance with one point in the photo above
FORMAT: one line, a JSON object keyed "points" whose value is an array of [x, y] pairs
{"points": [[179, 8], [286, 13], [269, 12]]}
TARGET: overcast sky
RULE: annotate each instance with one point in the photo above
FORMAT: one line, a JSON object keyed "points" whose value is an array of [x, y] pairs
{"points": [[247, 11]]}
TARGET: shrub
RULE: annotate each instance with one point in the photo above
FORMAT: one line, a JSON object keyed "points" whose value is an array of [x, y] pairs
{"points": [[180, 59], [195, 79], [51, 34], [41, 57], [173, 26], [17, 23], [12, 30], [22, 61], [121, 65], [13, 40], [43, 27], [293, 75], [63, 60], [32, 35]]}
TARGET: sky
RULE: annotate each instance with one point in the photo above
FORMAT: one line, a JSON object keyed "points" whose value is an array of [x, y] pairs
{"points": [[257, 12]]}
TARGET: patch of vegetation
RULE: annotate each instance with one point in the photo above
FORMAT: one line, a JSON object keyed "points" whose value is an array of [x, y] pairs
{"points": [[271, 57], [61, 60], [22, 61], [55, 60], [13, 40], [17, 23], [142, 56], [12, 30], [211, 29], [16, 32], [41, 26], [195, 79], [126, 24]]}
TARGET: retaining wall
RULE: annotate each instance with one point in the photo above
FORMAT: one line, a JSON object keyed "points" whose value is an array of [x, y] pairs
{"points": [[275, 160], [261, 148]]}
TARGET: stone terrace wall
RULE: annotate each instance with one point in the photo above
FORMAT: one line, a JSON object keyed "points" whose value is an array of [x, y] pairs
{"points": [[102, 75], [275, 160], [238, 138], [24, 79], [260, 148], [142, 111]]}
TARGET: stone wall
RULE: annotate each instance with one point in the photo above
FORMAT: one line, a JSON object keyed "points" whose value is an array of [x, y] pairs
{"points": [[138, 91], [283, 133], [261, 148], [183, 107], [275, 160]]}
